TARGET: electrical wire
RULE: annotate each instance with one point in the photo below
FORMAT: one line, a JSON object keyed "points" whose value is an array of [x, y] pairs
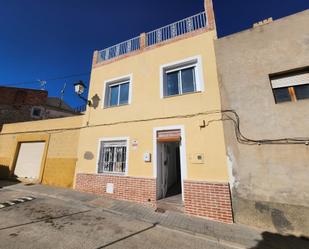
{"points": [[50, 79], [226, 116], [244, 140]]}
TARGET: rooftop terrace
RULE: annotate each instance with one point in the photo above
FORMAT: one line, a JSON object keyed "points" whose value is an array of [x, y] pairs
{"points": [[152, 38]]}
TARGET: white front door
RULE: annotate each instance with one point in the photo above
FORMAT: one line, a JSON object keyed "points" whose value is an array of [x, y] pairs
{"points": [[29, 159]]}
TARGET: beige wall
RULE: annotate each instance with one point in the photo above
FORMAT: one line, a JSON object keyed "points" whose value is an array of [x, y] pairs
{"points": [[146, 104], [270, 182]]}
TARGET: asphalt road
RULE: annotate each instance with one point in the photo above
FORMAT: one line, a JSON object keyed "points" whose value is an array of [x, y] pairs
{"points": [[48, 222]]}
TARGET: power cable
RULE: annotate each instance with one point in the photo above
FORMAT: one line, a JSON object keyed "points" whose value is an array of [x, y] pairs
{"points": [[50, 79], [226, 113]]}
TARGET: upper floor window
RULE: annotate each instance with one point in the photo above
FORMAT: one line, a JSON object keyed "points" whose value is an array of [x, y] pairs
{"points": [[113, 156], [291, 86], [181, 77], [117, 92]]}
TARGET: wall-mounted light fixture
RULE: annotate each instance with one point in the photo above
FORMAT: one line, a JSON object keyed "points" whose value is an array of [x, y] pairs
{"points": [[79, 90]]}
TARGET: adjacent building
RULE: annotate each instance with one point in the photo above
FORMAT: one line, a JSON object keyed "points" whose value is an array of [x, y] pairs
{"points": [[27, 150], [21, 104], [43, 151], [264, 79]]}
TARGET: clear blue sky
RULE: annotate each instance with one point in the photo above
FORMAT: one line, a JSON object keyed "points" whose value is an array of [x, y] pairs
{"points": [[43, 39]]}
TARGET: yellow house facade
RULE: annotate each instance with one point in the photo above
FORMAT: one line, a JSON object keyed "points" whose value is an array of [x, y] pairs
{"points": [[153, 132]]}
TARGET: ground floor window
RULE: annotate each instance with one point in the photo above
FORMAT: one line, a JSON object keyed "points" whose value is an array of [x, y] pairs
{"points": [[113, 156]]}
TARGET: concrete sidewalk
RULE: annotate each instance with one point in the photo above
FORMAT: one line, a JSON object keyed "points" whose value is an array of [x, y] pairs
{"points": [[233, 235]]}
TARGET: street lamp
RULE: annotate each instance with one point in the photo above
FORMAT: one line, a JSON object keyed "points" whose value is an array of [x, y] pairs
{"points": [[79, 90]]}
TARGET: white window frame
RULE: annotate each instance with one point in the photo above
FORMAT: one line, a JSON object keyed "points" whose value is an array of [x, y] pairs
{"points": [[117, 81], [113, 139], [37, 107], [195, 61]]}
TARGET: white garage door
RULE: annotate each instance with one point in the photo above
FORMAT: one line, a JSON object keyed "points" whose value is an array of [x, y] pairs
{"points": [[29, 160]]}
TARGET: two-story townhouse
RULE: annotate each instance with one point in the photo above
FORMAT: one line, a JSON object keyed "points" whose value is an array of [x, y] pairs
{"points": [[152, 138]]}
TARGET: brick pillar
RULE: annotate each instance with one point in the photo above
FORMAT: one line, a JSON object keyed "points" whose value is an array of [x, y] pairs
{"points": [[95, 57], [143, 40], [208, 6], [210, 200]]}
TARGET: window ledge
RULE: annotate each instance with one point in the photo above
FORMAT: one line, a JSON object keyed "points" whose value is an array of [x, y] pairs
{"points": [[112, 174], [114, 106], [178, 95], [291, 101]]}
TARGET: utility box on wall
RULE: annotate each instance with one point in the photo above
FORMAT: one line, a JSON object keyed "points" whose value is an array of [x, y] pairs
{"points": [[110, 188], [197, 158], [147, 157]]}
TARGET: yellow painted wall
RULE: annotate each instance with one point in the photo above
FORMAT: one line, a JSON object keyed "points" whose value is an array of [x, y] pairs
{"points": [[59, 172], [147, 104], [197, 141], [58, 164]]}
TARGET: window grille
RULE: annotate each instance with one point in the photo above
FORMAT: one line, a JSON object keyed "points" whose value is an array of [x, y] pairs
{"points": [[112, 157]]}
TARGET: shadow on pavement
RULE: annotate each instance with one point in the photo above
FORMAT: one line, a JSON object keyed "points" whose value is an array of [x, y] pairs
{"points": [[6, 179], [8, 182], [278, 241], [128, 236]]}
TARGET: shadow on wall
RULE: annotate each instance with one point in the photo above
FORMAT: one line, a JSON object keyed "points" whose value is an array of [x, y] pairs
{"points": [[5, 179], [4, 171], [278, 241], [274, 217], [95, 101]]}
